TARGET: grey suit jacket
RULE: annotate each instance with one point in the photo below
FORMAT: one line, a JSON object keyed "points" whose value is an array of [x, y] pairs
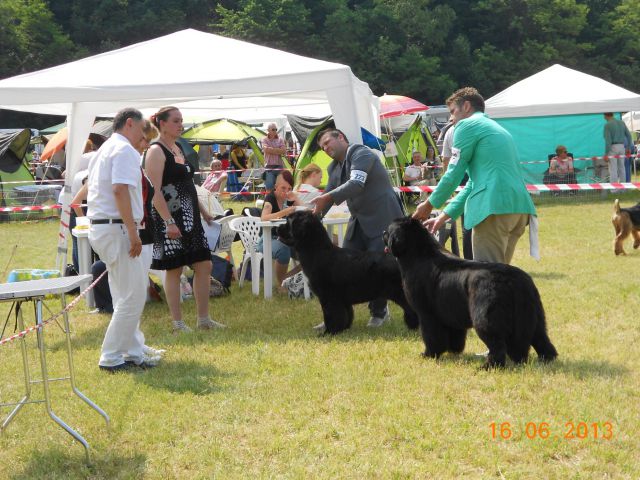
{"points": [[363, 181]]}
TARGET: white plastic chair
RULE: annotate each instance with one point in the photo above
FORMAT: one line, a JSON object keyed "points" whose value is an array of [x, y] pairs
{"points": [[227, 234], [249, 230]]}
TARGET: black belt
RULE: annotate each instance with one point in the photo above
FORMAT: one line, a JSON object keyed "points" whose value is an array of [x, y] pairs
{"points": [[105, 221]]}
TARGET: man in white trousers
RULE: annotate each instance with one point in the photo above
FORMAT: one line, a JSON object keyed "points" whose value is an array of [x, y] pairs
{"points": [[115, 213]]}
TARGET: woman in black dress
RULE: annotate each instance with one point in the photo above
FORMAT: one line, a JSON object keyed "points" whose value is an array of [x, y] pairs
{"points": [[179, 238]]}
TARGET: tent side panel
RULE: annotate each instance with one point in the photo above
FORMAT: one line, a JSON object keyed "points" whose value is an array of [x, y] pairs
{"points": [[537, 137]]}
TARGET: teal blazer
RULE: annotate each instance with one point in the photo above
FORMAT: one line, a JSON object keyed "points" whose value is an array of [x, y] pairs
{"points": [[487, 153]]}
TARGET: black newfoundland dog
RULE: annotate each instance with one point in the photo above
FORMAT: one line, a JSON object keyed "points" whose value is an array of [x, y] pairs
{"points": [[342, 277], [452, 295]]}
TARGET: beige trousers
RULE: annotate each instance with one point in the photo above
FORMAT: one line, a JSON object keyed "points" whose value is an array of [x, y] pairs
{"points": [[494, 239]]}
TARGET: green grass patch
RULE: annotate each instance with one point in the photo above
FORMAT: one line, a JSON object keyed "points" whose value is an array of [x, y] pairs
{"points": [[268, 398]]}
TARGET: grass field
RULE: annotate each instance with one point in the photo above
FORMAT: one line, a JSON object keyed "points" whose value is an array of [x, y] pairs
{"points": [[268, 398]]}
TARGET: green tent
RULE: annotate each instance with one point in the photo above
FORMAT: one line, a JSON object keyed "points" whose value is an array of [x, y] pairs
{"points": [[226, 132], [311, 153], [416, 137], [13, 166]]}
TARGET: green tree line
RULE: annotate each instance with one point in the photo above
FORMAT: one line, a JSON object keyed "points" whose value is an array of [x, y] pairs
{"points": [[421, 48]]}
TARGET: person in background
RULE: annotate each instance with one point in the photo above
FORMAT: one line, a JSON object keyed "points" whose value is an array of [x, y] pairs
{"points": [[273, 148], [446, 151], [495, 200], [308, 183], [616, 135], [237, 166], [79, 179], [216, 178], [561, 164], [279, 203], [179, 238]]}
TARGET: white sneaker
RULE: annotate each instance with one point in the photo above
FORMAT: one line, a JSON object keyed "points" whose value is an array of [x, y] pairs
{"points": [[153, 352], [180, 327], [375, 322], [151, 360], [208, 324]]}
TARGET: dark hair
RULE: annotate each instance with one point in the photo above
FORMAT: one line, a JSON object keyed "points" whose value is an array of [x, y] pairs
{"points": [[123, 115], [608, 114], [334, 132], [162, 114], [469, 94], [287, 177]]}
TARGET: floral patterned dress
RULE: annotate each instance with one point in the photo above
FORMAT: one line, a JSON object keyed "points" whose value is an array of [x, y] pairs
{"points": [[180, 194]]}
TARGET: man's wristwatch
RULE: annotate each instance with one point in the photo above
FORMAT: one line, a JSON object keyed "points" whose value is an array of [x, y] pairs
{"points": [[170, 221]]}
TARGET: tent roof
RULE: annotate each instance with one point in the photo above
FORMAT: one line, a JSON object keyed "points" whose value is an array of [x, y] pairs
{"points": [[559, 90], [125, 76], [171, 70]]}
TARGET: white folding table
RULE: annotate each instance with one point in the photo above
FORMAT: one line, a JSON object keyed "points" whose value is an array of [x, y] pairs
{"points": [[35, 291]]}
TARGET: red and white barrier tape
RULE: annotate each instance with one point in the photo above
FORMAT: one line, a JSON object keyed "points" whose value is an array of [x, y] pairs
{"points": [[416, 189], [605, 157], [73, 303], [544, 188]]}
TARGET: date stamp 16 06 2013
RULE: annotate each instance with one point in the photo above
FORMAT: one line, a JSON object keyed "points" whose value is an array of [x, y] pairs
{"points": [[546, 430]]}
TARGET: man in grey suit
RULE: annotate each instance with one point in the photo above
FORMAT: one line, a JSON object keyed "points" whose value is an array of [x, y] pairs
{"points": [[358, 176]]}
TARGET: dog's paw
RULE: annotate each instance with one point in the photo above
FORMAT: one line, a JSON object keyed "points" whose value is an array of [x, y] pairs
{"points": [[428, 354]]}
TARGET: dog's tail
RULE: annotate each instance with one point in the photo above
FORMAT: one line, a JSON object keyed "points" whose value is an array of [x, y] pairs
{"points": [[541, 342], [616, 206]]}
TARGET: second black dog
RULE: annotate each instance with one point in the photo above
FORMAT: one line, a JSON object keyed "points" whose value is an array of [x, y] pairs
{"points": [[341, 277], [451, 295]]}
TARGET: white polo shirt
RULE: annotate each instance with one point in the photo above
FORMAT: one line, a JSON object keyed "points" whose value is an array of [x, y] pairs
{"points": [[447, 144], [115, 162]]}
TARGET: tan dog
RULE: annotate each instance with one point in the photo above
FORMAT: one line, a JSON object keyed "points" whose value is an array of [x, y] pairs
{"points": [[625, 221]]}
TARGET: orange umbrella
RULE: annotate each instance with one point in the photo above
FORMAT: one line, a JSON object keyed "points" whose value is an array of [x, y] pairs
{"points": [[53, 146], [99, 132]]}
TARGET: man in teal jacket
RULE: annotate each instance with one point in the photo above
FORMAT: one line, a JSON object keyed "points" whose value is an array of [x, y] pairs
{"points": [[495, 201]]}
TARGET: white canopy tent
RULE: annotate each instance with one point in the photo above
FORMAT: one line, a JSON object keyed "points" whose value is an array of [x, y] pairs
{"points": [[191, 69], [559, 90], [194, 70], [632, 121]]}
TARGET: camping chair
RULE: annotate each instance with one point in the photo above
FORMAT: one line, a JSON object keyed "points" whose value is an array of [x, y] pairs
{"points": [[552, 178], [249, 230]]}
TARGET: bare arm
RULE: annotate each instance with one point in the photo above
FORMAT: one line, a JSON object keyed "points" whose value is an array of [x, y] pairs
{"points": [[267, 212], [123, 203], [80, 197]]}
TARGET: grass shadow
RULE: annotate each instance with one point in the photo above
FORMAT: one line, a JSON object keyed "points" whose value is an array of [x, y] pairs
{"points": [[584, 369], [581, 369], [183, 377], [87, 339], [55, 463]]}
